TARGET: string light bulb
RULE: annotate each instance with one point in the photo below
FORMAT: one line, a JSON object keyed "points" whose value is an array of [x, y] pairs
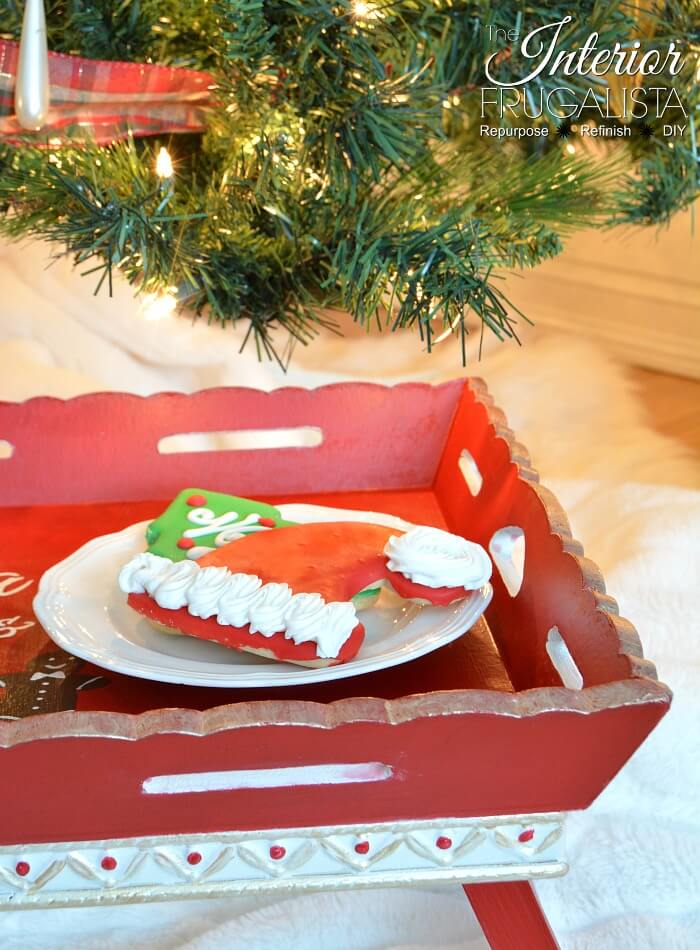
{"points": [[158, 306], [449, 331], [164, 164], [362, 10]]}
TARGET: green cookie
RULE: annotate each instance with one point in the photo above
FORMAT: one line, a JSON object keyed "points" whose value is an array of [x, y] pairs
{"points": [[199, 521]]}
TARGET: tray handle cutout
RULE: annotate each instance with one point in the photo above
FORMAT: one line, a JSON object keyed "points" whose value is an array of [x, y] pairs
{"points": [[470, 472], [7, 449], [507, 548], [230, 781], [241, 440], [562, 660]]}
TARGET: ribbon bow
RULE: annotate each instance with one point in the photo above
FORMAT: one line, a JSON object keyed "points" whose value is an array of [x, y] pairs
{"points": [[106, 101]]}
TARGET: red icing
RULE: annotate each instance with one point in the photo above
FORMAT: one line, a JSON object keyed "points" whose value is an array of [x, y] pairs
{"points": [[108, 863], [196, 501], [277, 852], [362, 847], [185, 544], [194, 857], [526, 835], [336, 559], [22, 868], [443, 843], [436, 595], [268, 522]]}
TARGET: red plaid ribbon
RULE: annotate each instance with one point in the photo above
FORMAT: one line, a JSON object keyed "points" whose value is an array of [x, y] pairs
{"points": [[105, 101]]}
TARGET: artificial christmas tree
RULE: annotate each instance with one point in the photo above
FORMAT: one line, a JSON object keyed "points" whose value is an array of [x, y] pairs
{"points": [[388, 158]]}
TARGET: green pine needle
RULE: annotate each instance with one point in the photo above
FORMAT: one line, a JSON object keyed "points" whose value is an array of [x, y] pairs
{"points": [[342, 164]]}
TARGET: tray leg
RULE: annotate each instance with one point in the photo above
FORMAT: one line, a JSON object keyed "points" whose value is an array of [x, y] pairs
{"points": [[510, 916]]}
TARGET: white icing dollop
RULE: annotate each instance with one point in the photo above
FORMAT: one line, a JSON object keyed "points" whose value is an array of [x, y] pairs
{"points": [[142, 570], [205, 590], [267, 609], [305, 618], [309, 617], [340, 621], [234, 603], [437, 558], [174, 584]]}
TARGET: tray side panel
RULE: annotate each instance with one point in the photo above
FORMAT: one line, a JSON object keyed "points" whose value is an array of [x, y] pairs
{"points": [[472, 764], [104, 447], [560, 589]]}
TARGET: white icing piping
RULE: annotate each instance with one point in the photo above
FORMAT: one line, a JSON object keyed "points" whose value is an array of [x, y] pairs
{"points": [[227, 527], [240, 599], [437, 558]]}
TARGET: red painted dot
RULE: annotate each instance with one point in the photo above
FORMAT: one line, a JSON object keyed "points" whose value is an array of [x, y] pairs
{"points": [[185, 544], [194, 857], [277, 852], [108, 863], [196, 501], [526, 835], [443, 843], [267, 522], [22, 868], [362, 847]]}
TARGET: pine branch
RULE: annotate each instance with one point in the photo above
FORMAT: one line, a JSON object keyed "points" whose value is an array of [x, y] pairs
{"points": [[343, 163]]}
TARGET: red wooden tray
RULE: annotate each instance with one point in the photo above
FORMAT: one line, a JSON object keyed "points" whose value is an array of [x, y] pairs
{"points": [[480, 744]]}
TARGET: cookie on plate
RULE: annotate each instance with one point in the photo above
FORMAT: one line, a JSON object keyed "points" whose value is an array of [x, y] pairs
{"points": [[288, 594], [198, 521]]}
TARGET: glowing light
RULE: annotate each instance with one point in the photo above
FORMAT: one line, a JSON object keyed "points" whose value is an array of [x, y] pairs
{"points": [[571, 149], [449, 331], [164, 164], [362, 10], [158, 306]]}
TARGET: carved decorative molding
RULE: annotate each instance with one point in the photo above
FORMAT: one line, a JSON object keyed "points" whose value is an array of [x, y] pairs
{"points": [[518, 847]]}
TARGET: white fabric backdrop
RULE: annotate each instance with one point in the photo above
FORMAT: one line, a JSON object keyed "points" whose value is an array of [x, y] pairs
{"points": [[632, 499]]}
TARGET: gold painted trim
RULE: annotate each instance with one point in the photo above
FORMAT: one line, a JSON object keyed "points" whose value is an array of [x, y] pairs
{"points": [[141, 895], [533, 702]]}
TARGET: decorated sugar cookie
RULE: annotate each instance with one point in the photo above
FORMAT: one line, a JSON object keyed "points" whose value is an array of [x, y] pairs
{"points": [[199, 521], [288, 594]]}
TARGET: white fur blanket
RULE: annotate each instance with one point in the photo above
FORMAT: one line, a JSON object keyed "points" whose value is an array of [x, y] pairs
{"points": [[635, 878]]}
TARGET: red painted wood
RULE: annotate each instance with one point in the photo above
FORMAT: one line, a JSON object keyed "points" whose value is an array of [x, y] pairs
{"points": [[510, 916], [454, 750], [456, 765], [555, 591], [103, 447]]}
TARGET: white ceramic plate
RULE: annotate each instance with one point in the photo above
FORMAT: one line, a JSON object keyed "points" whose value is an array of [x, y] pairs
{"points": [[85, 613]]}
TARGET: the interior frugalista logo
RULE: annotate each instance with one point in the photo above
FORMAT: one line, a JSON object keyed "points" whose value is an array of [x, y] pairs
{"points": [[602, 87]]}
